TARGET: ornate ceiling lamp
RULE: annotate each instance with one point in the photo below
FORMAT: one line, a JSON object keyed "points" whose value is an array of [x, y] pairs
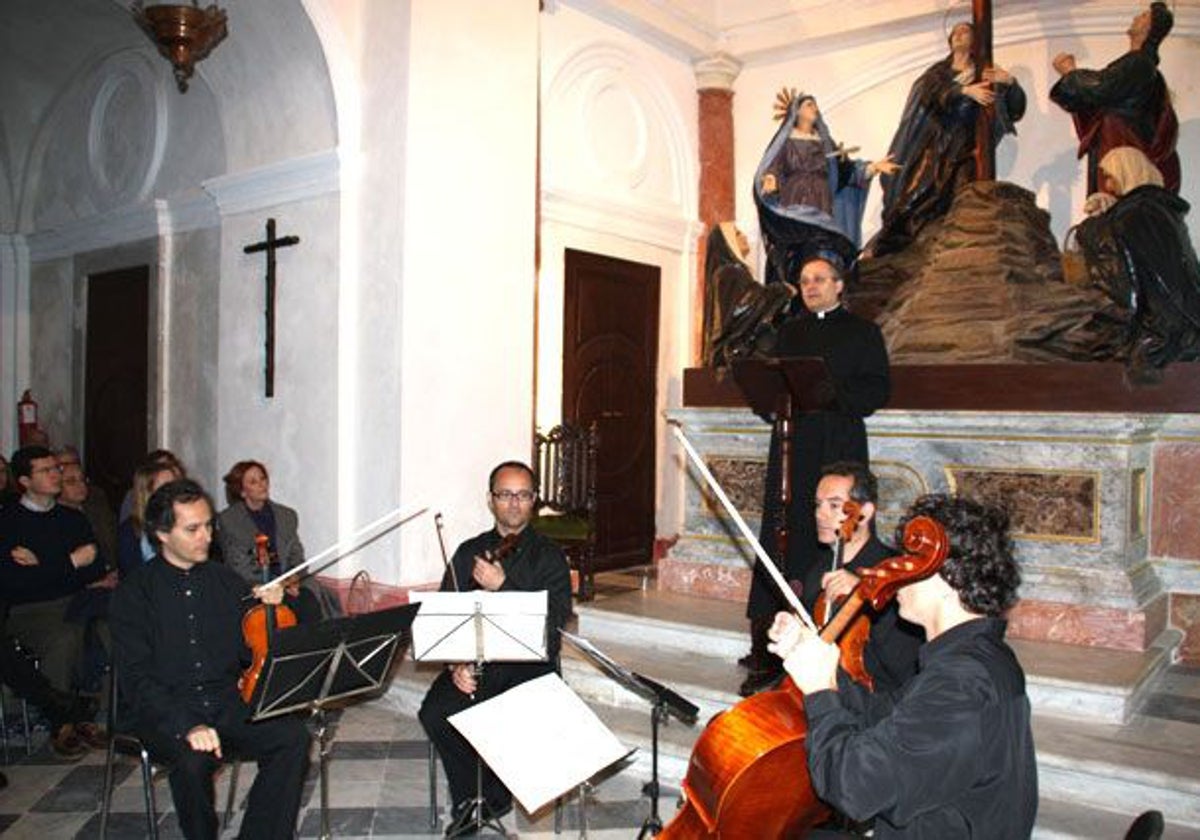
{"points": [[183, 34]]}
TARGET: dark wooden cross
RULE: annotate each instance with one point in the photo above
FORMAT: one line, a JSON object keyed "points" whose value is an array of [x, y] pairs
{"points": [[981, 45], [270, 244]]}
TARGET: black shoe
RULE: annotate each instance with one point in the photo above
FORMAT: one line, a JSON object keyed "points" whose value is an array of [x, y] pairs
{"points": [[760, 681], [3, 781]]}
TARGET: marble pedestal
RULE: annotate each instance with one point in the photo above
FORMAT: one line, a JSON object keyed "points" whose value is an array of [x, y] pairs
{"points": [[1080, 488]]}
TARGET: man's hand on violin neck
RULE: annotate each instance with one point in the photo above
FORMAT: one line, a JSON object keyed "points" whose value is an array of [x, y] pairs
{"points": [[487, 574]]}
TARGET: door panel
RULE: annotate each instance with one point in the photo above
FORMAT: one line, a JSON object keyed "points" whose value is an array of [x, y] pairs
{"points": [[610, 365]]}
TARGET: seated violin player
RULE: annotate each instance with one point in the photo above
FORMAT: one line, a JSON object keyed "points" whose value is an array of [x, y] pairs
{"points": [[890, 655], [950, 754], [882, 645], [177, 638]]}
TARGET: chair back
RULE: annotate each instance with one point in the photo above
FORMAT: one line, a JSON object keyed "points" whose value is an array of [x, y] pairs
{"points": [[565, 461]]}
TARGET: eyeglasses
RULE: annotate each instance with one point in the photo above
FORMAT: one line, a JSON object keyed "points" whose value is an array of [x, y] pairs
{"points": [[55, 468], [522, 496]]}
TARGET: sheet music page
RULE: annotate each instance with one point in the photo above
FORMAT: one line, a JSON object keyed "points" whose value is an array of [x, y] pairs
{"points": [[540, 738]]}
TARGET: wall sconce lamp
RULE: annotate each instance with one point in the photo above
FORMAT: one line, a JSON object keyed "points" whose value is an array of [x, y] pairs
{"points": [[183, 34]]}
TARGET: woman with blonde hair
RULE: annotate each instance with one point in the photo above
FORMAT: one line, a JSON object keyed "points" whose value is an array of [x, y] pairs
{"points": [[134, 546]]}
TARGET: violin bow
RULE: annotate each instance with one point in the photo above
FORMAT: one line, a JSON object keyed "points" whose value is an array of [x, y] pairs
{"points": [[437, 521], [332, 550], [759, 551]]}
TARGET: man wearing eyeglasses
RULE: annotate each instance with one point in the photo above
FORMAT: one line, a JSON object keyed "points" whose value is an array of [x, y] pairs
{"points": [[47, 554], [530, 564]]}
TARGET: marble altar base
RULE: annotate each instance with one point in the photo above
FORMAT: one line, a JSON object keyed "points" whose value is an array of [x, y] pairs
{"points": [[1103, 564]]}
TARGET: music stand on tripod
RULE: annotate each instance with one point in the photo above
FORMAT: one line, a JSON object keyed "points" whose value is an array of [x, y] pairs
{"points": [[480, 627], [315, 666], [663, 701], [776, 390]]}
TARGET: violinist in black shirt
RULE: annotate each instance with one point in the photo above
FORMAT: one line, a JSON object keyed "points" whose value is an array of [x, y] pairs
{"points": [[176, 629], [890, 656], [951, 754]]}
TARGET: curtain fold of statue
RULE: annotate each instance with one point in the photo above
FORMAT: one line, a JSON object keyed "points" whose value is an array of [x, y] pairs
{"points": [[739, 312], [935, 142], [1126, 103], [1139, 253]]}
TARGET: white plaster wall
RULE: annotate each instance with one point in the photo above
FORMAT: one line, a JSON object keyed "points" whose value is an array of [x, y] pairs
{"points": [[619, 178], [51, 301], [184, 361], [466, 316], [295, 433], [862, 92], [117, 135]]}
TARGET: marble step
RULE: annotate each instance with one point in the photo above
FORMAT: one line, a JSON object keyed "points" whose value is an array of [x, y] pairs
{"points": [[1093, 778], [1092, 683], [1093, 751], [1058, 820]]}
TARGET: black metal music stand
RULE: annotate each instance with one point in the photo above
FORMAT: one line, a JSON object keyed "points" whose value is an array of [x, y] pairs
{"points": [[663, 702], [479, 626], [312, 667]]}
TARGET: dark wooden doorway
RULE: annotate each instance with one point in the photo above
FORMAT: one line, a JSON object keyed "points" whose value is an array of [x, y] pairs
{"points": [[610, 368], [116, 377]]}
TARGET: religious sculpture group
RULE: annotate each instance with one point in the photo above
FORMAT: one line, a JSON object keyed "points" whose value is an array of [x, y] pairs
{"points": [[1136, 298]]}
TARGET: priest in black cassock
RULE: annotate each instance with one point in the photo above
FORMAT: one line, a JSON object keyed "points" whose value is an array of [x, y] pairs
{"points": [[855, 353]]}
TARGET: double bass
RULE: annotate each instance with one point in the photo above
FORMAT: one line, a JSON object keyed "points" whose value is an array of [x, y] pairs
{"points": [[747, 777]]}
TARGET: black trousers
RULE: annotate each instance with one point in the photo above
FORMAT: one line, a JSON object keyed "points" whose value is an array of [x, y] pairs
{"points": [[458, 757], [280, 746], [26, 681]]}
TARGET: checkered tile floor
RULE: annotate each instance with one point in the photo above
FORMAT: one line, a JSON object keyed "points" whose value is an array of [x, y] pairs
{"points": [[378, 788]]}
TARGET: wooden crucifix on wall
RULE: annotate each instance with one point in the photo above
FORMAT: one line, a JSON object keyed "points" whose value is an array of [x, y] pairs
{"points": [[270, 245]]}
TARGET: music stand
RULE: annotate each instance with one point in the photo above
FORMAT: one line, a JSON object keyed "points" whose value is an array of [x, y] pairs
{"points": [[480, 627], [775, 390], [313, 666], [541, 740], [663, 702]]}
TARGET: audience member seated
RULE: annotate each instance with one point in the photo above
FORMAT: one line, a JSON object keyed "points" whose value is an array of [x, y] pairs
{"points": [[8, 484], [163, 457], [134, 546], [72, 729], [78, 492], [47, 554], [89, 607], [251, 514]]}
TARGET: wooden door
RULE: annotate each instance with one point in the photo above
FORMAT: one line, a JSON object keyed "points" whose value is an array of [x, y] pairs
{"points": [[610, 367], [116, 377]]}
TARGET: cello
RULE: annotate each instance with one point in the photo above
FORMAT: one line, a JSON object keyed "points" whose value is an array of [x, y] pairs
{"points": [[732, 788]]}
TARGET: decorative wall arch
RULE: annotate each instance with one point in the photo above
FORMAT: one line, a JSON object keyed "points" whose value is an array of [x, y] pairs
{"points": [[613, 106]]}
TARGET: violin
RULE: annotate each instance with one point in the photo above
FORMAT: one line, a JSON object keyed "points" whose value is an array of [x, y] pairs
{"points": [[260, 623], [852, 641]]}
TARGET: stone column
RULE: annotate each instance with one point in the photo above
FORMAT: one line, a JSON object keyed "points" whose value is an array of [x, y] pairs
{"points": [[714, 85]]}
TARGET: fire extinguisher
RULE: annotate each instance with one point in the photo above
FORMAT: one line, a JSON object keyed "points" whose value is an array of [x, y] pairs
{"points": [[27, 417]]}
